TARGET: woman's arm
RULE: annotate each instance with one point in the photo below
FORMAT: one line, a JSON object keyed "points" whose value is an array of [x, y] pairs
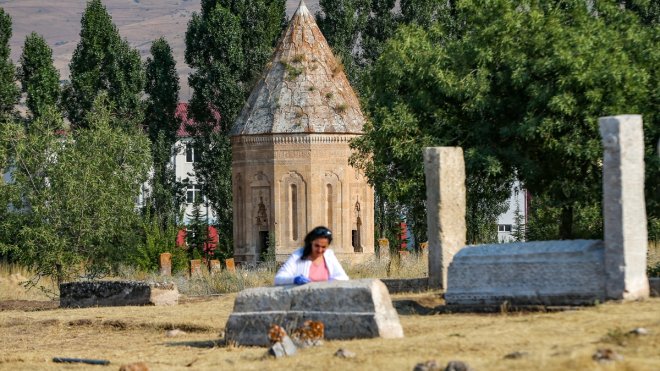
{"points": [[288, 271], [335, 269]]}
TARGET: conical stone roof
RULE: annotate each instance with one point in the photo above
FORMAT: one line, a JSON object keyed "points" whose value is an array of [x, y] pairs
{"points": [[304, 90]]}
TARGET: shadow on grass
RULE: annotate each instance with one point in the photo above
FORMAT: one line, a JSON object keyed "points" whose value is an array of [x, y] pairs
{"points": [[204, 344]]}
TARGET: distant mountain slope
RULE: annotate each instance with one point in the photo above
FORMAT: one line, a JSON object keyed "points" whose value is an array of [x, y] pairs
{"points": [[139, 21]]}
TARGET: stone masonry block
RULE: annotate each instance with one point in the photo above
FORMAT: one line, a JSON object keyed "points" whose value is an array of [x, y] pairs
{"points": [[348, 309], [624, 212], [116, 293], [528, 273], [444, 169]]}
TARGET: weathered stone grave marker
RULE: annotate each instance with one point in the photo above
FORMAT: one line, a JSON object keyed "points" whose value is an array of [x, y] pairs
{"points": [[195, 268], [348, 309], [445, 206], [230, 265], [116, 293], [165, 264], [215, 266]]}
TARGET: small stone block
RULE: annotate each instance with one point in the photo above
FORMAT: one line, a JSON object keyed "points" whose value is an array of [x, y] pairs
{"points": [[284, 348], [383, 249], [215, 266], [231, 266], [195, 267], [165, 264]]}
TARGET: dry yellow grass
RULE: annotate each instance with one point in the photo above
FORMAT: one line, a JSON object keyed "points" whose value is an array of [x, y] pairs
{"points": [[12, 284], [553, 341]]}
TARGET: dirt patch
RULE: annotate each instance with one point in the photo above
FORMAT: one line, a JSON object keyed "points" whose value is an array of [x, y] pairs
{"points": [[28, 305]]}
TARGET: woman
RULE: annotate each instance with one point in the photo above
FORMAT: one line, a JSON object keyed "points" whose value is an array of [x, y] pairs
{"points": [[312, 263]]}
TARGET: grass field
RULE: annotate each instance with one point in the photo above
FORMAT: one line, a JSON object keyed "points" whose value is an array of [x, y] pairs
{"points": [[551, 341]]}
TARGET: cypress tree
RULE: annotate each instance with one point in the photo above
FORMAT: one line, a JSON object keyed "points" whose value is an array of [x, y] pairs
{"points": [[162, 125], [227, 45], [39, 78], [163, 90], [103, 61], [8, 89]]}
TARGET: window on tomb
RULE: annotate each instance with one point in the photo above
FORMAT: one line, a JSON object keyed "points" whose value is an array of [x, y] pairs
{"points": [[504, 227]]}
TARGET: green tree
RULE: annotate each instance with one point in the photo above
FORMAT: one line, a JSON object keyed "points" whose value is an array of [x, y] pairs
{"points": [[103, 61], [39, 78], [8, 90], [163, 94], [163, 89], [520, 86], [342, 23], [380, 26], [227, 45], [197, 235], [74, 194]]}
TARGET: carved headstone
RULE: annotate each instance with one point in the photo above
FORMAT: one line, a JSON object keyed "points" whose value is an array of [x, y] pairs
{"points": [[230, 265], [165, 264], [215, 266], [624, 209], [348, 309], [384, 249], [195, 268], [444, 169]]}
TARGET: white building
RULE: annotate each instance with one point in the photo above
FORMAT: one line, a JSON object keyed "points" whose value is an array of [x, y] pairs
{"points": [[518, 205], [183, 161]]}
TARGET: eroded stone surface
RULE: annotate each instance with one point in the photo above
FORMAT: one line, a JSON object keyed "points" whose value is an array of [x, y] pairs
{"points": [[348, 309], [528, 273], [624, 207], [444, 170], [116, 293]]}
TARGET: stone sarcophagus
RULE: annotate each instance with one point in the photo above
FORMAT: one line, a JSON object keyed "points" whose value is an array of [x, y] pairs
{"points": [[116, 293], [348, 310]]}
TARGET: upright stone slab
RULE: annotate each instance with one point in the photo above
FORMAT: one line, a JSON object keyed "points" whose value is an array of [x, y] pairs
{"points": [[624, 210], [230, 265], [195, 268], [165, 264], [444, 168], [528, 273], [383, 249], [214, 266], [348, 309]]}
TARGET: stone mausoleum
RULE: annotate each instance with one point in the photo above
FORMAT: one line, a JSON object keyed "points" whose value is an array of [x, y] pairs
{"points": [[290, 146]]}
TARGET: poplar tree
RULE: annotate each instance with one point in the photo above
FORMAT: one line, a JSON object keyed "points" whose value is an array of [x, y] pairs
{"points": [[342, 22], [228, 45], [8, 90], [103, 61], [163, 94], [39, 78]]}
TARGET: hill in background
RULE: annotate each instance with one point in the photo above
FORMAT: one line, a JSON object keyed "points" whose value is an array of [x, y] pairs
{"points": [[139, 21]]}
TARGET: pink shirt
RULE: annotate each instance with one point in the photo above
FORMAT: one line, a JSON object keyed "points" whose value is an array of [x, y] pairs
{"points": [[319, 272]]}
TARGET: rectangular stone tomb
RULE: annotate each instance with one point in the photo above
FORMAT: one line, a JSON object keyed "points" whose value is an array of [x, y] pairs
{"points": [[116, 293], [348, 309], [528, 273]]}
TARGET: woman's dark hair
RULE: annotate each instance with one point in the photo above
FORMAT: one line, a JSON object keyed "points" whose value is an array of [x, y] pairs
{"points": [[318, 232]]}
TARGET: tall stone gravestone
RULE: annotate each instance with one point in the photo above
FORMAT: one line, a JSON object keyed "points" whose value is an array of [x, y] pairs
{"points": [[624, 209], [445, 205], [165, 264]]}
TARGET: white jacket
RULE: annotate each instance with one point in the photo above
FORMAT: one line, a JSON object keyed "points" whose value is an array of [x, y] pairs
{"points": [[294, 267]]}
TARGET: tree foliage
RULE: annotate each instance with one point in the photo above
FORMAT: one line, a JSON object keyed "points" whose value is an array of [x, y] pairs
{"points": [[520, 86], [8, 90], [227, 45], [342, 23], [39, 77], [101, 62], [163, 95], [73, 195]]}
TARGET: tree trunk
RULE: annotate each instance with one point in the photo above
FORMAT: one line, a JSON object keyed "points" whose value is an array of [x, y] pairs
{"points": [[566, 223]]}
